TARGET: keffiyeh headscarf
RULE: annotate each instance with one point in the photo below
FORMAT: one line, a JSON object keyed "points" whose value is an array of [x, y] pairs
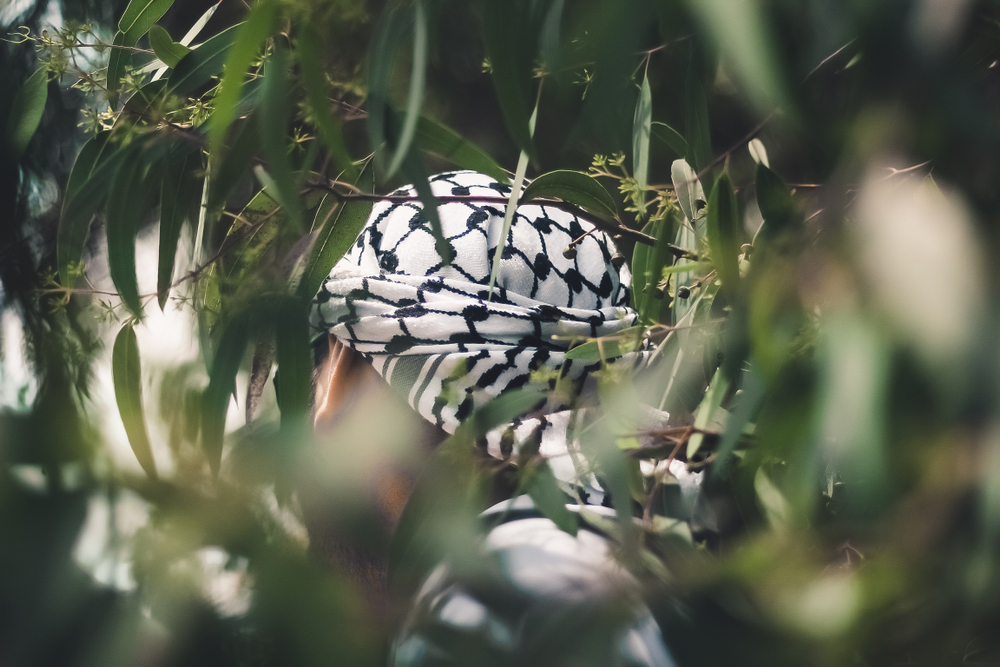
{"points": [[433, 332]]}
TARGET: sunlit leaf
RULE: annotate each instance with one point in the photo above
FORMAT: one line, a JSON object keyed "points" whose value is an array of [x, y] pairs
{"points": [[723, 230], [127, 378], [245, 47], [574, 187], [716, 391], [641, 124], [140, 15], [165, 48], [25, 113], [197, 68], [416, 95], [314, 82], [435, 138], [690, 194]]}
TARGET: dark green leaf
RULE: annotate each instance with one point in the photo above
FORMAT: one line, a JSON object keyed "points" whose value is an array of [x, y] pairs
{"points": [[699, 154], [574, 187], [549, 498], [500, 410], [389, 33], [140, 15], [416, 96], [247, 44], [166, 49], [178, 190], [315, 85], [640, 134], [716, 391], [723, 230], [776, 205], [671, 138], [25, 113], [294, 376], [275, 112], [197, 68], [221, 385], [119, 59], [127, 377], [443, 142], [510, 48], [340, 226], [128, 204], [746, 404], [88, 184], [416, 172], [235, 162], [549, 43]]}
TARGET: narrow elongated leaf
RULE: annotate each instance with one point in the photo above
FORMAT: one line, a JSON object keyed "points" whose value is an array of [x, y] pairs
{"points": [[416, 172], [294, 376], [247, 44], [128, 203], [434, 137], [221, 385], [275, 112], [611, 347], [416, 95], [574, 187], [127, 376], [25, 113], [776, 205], [314, 82], [338, 230], [119, 59], [747, 404], [550, 499], [723, 229], [511, 50], [140, 15], [260, 370], [166, 49], [716, 391], [389, 34], [87, 186], [641, 124], [690, 194], [196, 68], [178, 190], [199, 25], [671, 137], [699, 154], [235, 162], [501, 410]]}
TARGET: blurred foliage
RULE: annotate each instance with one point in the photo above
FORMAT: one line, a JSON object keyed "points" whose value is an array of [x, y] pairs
{"points": [[807, 194]]}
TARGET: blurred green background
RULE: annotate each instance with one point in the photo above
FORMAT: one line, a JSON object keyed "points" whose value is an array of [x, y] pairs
{"points": [[842, 371]]}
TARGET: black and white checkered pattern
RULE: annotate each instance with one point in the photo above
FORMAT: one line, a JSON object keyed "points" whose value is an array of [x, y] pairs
{"points": [[432, 332]]}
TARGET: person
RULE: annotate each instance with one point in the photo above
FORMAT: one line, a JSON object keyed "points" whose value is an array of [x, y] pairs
{"points": [[392, 312]]}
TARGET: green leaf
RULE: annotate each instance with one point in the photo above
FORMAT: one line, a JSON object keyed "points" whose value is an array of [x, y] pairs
{"points": [[140, 15], [723, 230], [128, 204], [610, 347], [119, 60], [197, 68], [671, 137], [178, 190], [435, 138], [235, 162], [295, 369], [389, 34], [87, 186], [247, 44], [314, 81], [501, 410], [550, 500], [275, 112], [716, 391], [690, 195], [25, 114], [339, 227], [699, 153], [776, 205], [641, 124], [127, 378], [221, 385], [416, 172], [746, 404], [415, 99], [575, 188], [166, 49], [510, 49]]}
